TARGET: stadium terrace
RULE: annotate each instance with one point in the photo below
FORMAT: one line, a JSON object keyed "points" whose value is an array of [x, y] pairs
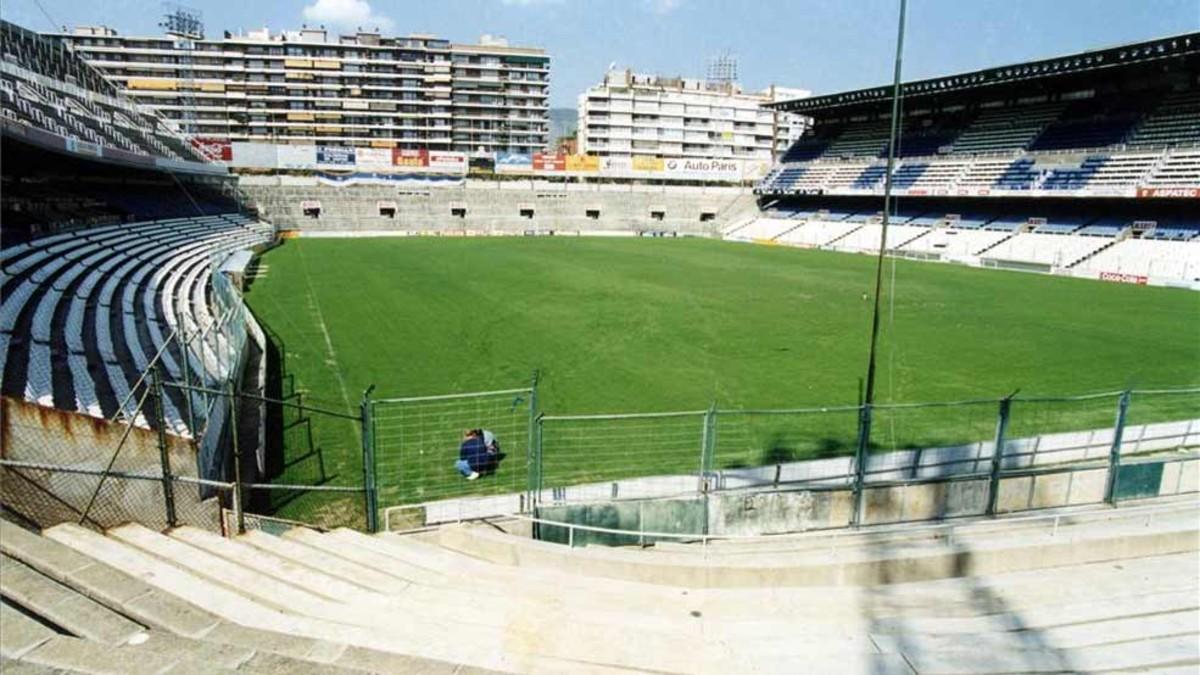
{"points": [[507, 413]]}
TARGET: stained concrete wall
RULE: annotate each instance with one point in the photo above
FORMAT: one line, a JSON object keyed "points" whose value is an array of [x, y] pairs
{"points": [[32, 433], [496, 208], [751, 512]]}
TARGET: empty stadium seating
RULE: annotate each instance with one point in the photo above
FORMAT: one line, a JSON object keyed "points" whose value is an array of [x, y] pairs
{"points": [[85, 312], [1105, 590], [1146, 141], [43, 85]]}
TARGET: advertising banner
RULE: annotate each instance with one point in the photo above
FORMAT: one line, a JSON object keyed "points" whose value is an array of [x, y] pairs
{"points": [[616, 166], [703, 169], [335, 156], [513, 162], [411, 159], [214, 149], [297, 156], [648, 164], [1118, 277], [373, 159], [543, 161], [254, 155], [83, 147], [585, 163], [447, 162], [1173, 193]]}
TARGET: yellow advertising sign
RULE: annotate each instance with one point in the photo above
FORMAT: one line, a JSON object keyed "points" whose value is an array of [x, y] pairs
{"points": [[647, 164], [159, 85], [583, 163]]}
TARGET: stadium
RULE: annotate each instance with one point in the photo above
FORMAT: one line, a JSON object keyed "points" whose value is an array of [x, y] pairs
{"points": [[237, 376]]}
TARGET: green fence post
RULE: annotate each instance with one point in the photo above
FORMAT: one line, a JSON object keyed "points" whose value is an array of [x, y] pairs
{"points": [[1114, 453], [164, 454], [370, 496], [860, 463], [533, 454], [708, 444], [998, 454], [231, 392], [536, 477]]}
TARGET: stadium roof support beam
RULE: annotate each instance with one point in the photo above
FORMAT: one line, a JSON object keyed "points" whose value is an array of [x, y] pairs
{"points": [[1088, 62]]}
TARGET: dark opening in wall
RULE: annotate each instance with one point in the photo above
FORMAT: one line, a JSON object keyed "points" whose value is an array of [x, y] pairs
{"points": [[458, 212], [658, 215], [592, 214], [312, 212], [387, 212], [707, 217], [527, 213]]}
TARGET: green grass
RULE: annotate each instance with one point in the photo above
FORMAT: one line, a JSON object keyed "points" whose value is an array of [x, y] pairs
{"points": [[618, 325]]}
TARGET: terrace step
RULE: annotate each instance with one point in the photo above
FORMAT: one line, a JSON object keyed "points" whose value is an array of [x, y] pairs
{"points": [[997, 552]]}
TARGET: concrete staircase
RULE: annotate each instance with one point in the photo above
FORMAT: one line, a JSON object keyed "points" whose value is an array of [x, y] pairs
{"points": [[1100, 589]]}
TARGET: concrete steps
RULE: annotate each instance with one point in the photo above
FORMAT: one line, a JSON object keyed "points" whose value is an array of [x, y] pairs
{"points": [[465, 598]]}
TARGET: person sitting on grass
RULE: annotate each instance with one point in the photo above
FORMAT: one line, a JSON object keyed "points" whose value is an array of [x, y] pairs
{"points": [[473, 455], [491, 461]]}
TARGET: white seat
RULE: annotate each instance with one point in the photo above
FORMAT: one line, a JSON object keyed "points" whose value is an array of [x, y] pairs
{"points": [[86, 400], [39, 377]]}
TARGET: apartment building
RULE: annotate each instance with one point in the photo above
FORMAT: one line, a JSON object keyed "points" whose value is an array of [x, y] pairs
{"points": [[313, 87], [632, 114]]}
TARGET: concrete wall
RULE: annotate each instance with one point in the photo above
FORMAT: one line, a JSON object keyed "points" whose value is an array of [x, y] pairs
{"points": [[495, 207], [750, 512], [32, 433]]}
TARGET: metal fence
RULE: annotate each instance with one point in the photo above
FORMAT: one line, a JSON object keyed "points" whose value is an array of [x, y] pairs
{"points": [[411, 446], [580, 459]]}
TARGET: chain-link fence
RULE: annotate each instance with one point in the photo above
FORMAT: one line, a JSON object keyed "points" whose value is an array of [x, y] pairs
{"points": [[1109, 447], [415, 448]]}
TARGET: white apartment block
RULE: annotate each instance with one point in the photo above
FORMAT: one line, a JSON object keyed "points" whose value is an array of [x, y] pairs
{"points": [[311, 87], [644, 115]]}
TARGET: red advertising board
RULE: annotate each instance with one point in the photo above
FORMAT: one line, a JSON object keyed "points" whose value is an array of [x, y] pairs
{"points": [[1118, 277], [1175, 193], [214, 149], [543, 161], [413, 158]]}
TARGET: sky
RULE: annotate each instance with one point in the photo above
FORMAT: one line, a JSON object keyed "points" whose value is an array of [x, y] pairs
{"points": [[824, 46]]}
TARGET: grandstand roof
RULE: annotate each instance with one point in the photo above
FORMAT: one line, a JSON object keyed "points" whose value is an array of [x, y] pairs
{"points": [[1043, 74]]}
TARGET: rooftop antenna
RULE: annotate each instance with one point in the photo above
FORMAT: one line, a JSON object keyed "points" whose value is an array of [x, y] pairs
{"points": [[722, 69], [183, 22]]}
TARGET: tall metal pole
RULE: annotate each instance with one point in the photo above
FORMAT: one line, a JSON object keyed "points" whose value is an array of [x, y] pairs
{"points": [[864, 420], [869, 397]]}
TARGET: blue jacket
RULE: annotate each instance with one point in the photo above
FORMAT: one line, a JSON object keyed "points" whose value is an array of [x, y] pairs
{"points": [[474, 452]]}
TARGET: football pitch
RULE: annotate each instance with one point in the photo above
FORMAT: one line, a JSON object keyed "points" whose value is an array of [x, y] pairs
{"points": [[641, 325]]}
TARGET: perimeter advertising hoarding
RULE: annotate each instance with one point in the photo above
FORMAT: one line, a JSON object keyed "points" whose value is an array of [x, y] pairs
{"points": [[447, 162], [728, 170], [335, 156], [410, 159], [543, 161], [513, 162], [373, 159], [582, 163], [1171, 192], [214, 149], [255, 155], [297, 156]]}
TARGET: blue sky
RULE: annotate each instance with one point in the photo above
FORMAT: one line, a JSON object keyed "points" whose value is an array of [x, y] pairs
{"points": [[822, 45]]}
